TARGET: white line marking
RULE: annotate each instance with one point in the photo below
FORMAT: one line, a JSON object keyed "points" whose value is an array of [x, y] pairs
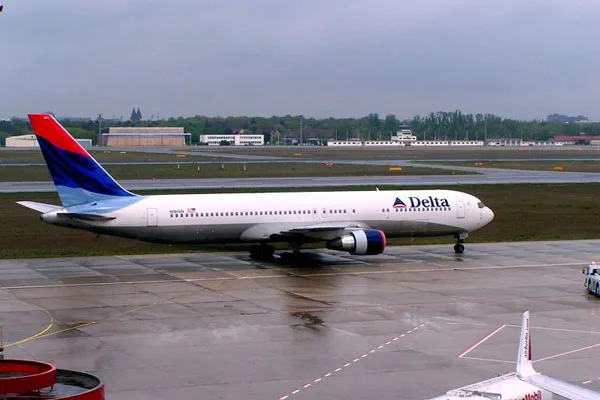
{"points": [[464, 353], [328, 374], [586, 382]]}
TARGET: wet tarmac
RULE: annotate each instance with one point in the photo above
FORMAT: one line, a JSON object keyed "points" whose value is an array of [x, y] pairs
{"points": [[409, 324]]}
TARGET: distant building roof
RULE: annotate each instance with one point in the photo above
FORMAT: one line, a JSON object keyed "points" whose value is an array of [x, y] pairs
{"points": [[145, 130]]}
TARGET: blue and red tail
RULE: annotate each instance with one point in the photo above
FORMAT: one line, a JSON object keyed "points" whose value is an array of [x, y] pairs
{"points": [[78, 178]]}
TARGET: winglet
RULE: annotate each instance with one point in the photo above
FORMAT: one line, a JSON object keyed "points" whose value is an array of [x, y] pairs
{"points": [[524, 365]]}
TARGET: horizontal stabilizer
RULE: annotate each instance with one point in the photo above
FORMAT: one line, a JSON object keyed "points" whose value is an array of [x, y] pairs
{"points": [[85, 217], [40, 207]]}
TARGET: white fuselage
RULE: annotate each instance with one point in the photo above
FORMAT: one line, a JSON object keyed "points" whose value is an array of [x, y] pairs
{"points": [[262, 217]]}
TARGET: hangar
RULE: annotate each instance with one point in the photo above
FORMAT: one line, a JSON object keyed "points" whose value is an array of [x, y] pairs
{"points": [[22, 141], [136, 136]]}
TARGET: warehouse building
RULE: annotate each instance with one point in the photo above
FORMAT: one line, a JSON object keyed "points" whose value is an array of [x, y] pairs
{"points": [[236, 140], [24, 141], [136, 136]]}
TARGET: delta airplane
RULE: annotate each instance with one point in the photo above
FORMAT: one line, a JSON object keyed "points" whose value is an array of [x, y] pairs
{"points": [[357, 222], [524, 384]]}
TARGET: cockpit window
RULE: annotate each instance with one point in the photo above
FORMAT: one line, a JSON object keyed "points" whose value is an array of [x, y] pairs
{"points": [[480, 204]]}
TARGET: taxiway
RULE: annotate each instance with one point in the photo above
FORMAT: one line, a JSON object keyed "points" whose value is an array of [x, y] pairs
{"points": [[411, 323]]}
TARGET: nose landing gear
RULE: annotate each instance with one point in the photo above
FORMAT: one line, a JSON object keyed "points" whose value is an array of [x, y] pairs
{"points": [[459, 247]]}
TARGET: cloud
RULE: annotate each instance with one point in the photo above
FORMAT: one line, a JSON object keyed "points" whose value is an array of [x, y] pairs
{"points": [[521, 59]]}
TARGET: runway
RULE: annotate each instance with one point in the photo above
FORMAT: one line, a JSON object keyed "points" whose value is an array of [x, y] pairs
{"points": [[486, 176], [406, 324]]}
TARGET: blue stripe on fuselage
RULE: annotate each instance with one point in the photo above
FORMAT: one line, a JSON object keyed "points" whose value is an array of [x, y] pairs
{"points": [[70, 170]]}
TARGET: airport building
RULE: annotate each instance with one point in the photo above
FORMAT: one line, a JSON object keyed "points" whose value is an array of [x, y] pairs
{"points": [[235, 140], [137, 136], [25, 141], [22, 141]]}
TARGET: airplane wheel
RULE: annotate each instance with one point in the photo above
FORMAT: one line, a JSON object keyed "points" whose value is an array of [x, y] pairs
{"points": [[459, 248], [287, 257], [261, 252]]}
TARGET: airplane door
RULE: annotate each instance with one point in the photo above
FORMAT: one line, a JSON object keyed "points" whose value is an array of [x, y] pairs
{"points": [[323, 212], [151, 217], [460, 209], [315, 215]]}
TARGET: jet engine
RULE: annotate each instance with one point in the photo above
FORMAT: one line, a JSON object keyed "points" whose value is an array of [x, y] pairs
{"points": [[362, 242]]}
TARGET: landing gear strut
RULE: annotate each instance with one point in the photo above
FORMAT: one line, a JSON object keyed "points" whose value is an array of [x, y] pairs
{"points": [[261, 252], [459, 247]]}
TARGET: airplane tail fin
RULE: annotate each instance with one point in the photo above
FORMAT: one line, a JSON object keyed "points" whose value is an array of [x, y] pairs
{"points": [[524, 365], [77, 176]]}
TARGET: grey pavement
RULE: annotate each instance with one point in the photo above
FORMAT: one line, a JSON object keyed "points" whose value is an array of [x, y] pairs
{"points": [[406, 324]]}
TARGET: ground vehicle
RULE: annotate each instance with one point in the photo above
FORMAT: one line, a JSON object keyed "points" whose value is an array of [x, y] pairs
{"points": [[592, 278]]}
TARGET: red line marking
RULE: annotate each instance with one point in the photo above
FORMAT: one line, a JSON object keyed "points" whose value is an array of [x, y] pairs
{"points": [[481, 341]]}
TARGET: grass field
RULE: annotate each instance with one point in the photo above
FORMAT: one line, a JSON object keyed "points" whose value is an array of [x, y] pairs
{"points": [[567, 166], [523, 212], [408, 153], [213, 170]]}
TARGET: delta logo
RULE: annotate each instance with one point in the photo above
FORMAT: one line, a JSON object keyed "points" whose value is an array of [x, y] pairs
{"points": [[426, 202]]}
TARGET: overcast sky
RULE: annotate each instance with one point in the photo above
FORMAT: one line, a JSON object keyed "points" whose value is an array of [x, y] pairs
{"points": [[342, 58]]}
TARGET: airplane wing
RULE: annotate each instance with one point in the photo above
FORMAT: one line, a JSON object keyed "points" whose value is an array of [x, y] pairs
{"points": [[561, 388], [527, 373], [303, 233], [322, 228]]}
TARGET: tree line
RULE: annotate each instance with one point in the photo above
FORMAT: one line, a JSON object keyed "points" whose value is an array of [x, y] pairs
{"points": [[453, 125]]}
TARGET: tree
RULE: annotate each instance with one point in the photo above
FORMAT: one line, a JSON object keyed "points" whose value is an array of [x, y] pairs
{"points": [[391, 124]]}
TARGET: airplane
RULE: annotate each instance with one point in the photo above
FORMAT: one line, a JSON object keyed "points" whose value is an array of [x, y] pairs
{"points": [[357, 222], [523, 384]]}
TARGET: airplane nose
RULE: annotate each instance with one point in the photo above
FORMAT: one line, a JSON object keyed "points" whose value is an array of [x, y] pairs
{"points": [[489, 215]]}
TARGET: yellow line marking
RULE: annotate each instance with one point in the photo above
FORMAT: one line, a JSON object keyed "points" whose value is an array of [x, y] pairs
{"points": [[37, 335]]}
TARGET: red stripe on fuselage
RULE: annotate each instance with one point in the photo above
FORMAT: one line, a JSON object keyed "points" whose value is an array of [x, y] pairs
{"points": [[46, 126]]}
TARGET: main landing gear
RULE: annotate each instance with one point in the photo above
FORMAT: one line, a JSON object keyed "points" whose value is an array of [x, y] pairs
{"points": [[459, 247], [262, 252]]}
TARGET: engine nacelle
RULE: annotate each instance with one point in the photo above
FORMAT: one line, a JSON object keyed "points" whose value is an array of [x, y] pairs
{"points": [[363, 242]]}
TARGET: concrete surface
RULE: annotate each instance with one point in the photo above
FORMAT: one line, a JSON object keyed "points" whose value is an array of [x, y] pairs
{"points": [[408, 324]]}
